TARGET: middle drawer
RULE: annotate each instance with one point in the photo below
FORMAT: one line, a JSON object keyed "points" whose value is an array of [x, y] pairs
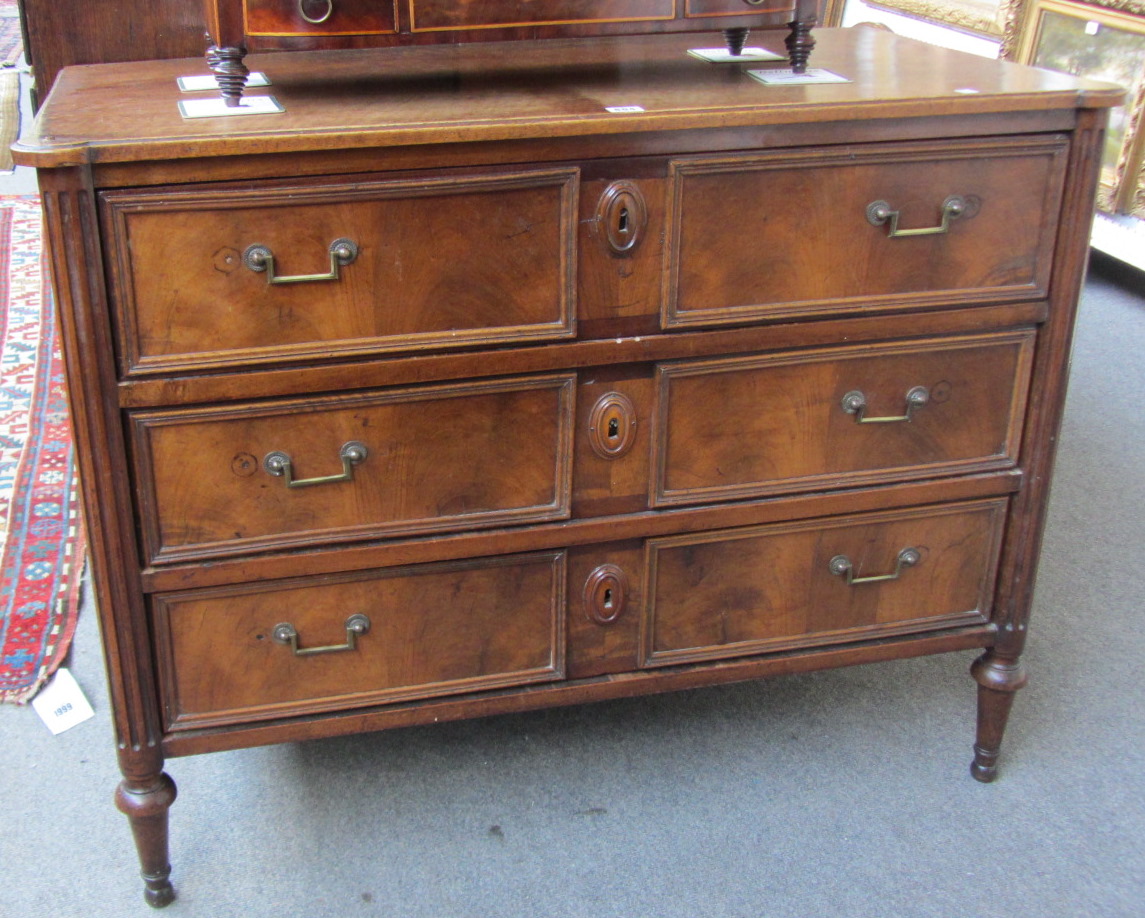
{"points": [[221, 481]]}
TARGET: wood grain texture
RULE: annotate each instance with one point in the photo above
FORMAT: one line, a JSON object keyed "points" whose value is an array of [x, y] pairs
{"points": [[64, 33], [731, 593], [590, 353], [471, 455], [1047, 394], [582, 691], [732, 263], [748, 426], [510, 558], [472, 93], [277, 24], [440, 262], [434, 630], [578, 532]]}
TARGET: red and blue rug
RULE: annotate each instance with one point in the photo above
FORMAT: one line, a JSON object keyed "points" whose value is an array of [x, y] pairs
{"points": [[41, 541]]}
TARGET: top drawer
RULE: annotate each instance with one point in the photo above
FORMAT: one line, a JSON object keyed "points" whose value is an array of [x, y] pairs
{"points": [[429, 264], [812, 232]]}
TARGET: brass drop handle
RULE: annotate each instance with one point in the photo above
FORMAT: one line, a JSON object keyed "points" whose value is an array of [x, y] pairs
{"points": [[286, 633], [880, 212], [854, 402], [841, 566], [279, 465], [315, 20], [259, 258]]}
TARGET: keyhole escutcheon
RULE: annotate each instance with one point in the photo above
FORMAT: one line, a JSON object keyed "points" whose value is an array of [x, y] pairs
{"points": [[612, 425], [605, 594], [622, 214]]}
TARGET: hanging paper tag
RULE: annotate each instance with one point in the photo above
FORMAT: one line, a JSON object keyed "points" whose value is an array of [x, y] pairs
{"points": [[61, 704]]}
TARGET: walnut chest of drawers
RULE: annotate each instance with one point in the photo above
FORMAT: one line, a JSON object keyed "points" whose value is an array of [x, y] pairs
{"points": [[452, 392]]}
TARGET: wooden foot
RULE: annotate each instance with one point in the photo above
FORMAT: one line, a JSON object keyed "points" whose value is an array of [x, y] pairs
{"points": [[145, 804], [799, 43], [735, 39], [230, 71], [998, 680]]}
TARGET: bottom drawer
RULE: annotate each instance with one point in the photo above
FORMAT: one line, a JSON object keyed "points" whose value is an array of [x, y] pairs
{"points": [[262, 651], [742, 591]]}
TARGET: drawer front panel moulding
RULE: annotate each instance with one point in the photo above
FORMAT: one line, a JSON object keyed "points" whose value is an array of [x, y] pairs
{"points": [[476, 626], [726, 594], [437, 262], [999, 246], [748, 426], [489, 453]]}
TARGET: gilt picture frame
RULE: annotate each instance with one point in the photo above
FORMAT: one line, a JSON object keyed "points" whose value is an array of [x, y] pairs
{"points": [[979, 17], [1106, 41]]}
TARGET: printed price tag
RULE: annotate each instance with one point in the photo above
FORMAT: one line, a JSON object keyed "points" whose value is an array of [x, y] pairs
{"points": [[61, 703], [215, 108], [624, 109], [206, 82], [791, 78], [724, 56]]}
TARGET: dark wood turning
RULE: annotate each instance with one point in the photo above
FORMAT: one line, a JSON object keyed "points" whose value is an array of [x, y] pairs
{"points": [[553, 404], [145, 804]]}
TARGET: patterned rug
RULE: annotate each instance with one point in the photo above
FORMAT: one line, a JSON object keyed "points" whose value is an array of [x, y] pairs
{"points": [[41, 541], [11, 47], [11, 42]]}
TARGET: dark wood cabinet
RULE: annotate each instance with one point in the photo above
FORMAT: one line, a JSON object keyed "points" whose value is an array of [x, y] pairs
{"points": [[62, 33], [479, 397], [237, 26]]}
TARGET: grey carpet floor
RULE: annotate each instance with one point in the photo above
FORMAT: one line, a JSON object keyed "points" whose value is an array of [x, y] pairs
{"points": [[843, 793]]}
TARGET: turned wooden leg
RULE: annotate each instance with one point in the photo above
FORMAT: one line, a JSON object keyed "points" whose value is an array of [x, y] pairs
{"points": [[998, 680], [735, 39], [230, 71], [799, 43], [145, 804]]}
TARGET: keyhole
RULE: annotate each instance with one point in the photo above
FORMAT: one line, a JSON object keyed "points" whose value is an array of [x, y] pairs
{"points": [[613, 428], [622, 223], [608, 598]]}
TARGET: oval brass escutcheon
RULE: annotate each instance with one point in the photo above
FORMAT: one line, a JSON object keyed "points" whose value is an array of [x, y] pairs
{"points": [[612, 425], [605, 594], [622, 214]]}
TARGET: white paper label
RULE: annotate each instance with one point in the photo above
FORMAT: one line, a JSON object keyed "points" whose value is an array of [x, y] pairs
{"points": [[217, 107], [724, 56], [790, 77], [61, 703], [204, 82], [624, 109]]}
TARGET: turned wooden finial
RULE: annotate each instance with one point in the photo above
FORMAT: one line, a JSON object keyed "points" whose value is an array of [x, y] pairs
{"points": [[230, 72]]}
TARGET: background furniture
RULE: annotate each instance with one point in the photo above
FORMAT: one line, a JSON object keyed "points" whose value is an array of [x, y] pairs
{"points": [[583, 404], [236, 26], [59, 33]]}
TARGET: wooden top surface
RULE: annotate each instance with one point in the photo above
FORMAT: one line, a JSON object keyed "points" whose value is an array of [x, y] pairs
{"points": [[128, 112]]}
